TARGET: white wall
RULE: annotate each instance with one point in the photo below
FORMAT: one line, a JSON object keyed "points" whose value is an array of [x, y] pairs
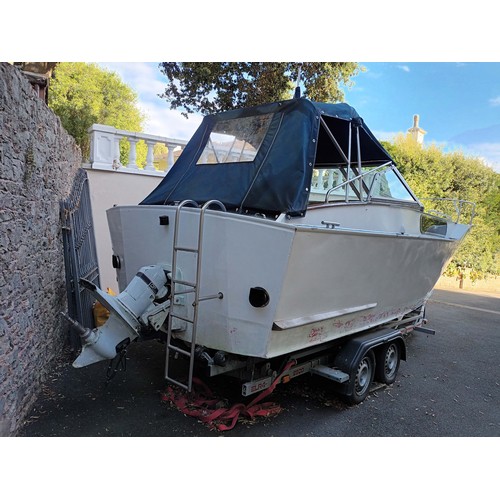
{"points": [[108, 188]]}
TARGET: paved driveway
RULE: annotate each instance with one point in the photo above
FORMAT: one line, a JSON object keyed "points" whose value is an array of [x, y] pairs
{"points": [[449, 386]]}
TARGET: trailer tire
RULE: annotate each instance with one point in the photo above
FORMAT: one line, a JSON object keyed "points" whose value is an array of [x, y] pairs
{"points": [[362, 378], [388, 359]]}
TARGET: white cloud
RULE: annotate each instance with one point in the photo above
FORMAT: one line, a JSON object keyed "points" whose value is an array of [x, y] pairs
{"points": [[383, 135], [495, 101], [169, 123], [489, 152], [404, 68], [148, 82], [144, 78], [483, 143]]}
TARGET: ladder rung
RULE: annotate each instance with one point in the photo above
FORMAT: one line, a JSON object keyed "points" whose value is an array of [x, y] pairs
{"points": [[181, 317], [181, 282], [176, 382], [185, 291], [186, 249], [179, 350]]}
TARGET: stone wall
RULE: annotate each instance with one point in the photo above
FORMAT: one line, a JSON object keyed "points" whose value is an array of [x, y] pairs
{"points": [[38, 162]]}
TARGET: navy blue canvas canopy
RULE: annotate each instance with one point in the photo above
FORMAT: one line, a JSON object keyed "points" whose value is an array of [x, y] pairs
{"points": [[269, 164]]}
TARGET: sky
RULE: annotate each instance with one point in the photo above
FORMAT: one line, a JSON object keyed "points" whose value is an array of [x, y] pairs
{"points": [[458, 103]]}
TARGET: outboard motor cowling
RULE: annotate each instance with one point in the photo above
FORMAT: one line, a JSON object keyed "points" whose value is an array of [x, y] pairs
{"points": [[143, 304]]}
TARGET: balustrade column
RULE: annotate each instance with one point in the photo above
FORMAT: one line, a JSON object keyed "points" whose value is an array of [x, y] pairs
{"points": [[321, 185], [150, 156], [330, 178], [116, 157], [132, 157], [170, 156]]}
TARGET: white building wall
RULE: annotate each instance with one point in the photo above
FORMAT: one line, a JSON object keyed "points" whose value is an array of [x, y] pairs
{"points": [[109, 188]]}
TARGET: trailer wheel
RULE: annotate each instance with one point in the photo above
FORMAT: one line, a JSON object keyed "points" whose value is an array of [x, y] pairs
{"points": [[362, 379], [388, 358]]}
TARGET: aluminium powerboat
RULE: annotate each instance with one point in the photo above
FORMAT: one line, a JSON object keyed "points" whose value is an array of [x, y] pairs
{"points": [[280, 227]]}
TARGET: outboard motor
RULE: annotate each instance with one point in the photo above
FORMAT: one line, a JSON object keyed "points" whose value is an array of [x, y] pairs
{"points": [[144, 304]]}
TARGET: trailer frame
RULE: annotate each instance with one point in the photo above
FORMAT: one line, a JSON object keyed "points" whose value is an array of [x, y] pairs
{"points": [[351, 363]]}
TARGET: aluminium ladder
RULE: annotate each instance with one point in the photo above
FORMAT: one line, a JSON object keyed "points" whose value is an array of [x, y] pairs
{"points": [[192, 287]]}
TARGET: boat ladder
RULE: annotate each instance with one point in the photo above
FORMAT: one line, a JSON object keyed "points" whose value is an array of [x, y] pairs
{"points": [[187, 287]]}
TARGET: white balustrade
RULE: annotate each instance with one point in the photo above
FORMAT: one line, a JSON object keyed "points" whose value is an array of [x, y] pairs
{"points": [[325, 180], [105, 149]]}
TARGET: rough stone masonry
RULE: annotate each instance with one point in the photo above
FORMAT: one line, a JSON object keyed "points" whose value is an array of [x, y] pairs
{"points": [[38, 162]]}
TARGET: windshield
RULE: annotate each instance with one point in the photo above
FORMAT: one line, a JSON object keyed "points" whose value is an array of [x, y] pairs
{"points": [[373, 183], [387, 184]]}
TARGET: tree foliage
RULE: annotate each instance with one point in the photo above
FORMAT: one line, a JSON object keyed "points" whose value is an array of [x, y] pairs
{"points": [[82, 94], [432, 173], [210, 87]]}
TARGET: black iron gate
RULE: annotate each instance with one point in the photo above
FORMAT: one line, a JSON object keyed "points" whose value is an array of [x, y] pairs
{"points": [[80, 255]]}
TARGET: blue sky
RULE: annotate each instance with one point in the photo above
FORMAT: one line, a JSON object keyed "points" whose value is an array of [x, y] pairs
{"points": [[458, 103]]}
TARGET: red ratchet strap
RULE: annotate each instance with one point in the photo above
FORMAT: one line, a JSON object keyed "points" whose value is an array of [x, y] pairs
{"points": [[201, 403]]}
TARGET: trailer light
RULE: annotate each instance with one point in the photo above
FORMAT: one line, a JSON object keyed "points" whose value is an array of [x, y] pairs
{"points": [[258, 297], [285, 379]]}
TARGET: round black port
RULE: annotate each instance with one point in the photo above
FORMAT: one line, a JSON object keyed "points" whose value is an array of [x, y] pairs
{"points": [[115, 260], [258, 297]]}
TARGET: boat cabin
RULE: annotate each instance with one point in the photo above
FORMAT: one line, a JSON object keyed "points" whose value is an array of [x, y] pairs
{"points": [[282, 158]]}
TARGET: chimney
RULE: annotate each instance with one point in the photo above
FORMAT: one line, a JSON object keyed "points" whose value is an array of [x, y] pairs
{"points": [[416, 132]]}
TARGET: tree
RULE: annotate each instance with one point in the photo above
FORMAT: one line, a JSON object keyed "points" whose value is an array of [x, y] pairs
{"points": [[82, 94], [432, 173], [210, 87]]}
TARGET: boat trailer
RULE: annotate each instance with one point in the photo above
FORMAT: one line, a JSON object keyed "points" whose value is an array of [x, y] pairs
{"points": [[351, 363]]}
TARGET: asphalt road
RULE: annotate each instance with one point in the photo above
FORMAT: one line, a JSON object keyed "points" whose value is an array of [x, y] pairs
{"points": [[449, 386]]}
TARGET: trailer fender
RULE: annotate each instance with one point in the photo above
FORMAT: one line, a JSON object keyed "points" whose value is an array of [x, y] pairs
{"points": [[353, 351]]}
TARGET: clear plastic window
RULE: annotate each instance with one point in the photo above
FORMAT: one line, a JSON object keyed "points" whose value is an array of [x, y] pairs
{"points": [[234, 141], [387, 184], [379, 184], [430, 224], [325, 179]]}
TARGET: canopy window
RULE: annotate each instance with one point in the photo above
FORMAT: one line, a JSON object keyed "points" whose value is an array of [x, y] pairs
{"points": [[235, 141]]}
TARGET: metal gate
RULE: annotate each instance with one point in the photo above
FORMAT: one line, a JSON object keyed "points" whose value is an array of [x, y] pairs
{"points": [[80, 255]]}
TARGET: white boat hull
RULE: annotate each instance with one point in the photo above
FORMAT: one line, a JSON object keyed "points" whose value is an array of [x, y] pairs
{"points": [[352, 281], [323, 283]]}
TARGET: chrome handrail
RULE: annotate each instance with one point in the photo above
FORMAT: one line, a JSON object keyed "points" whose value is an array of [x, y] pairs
{"points": [[458, 206], [377, 170]]}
